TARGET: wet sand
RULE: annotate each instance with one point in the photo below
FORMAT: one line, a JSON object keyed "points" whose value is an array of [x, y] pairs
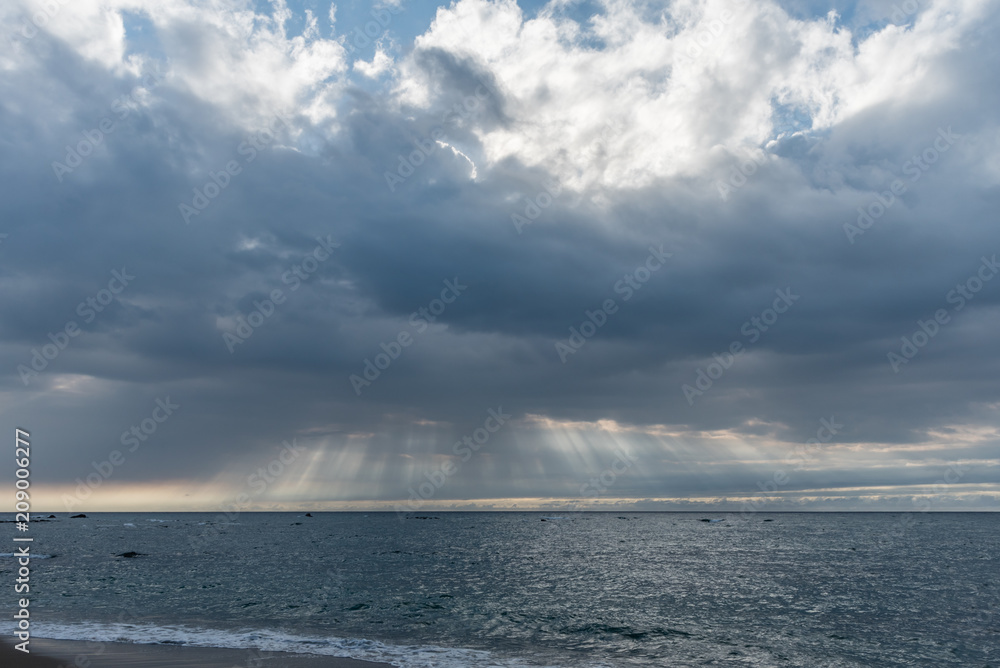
{"points": [[64, 653]]}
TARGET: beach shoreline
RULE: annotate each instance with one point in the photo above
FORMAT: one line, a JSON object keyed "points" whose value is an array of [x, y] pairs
{"points": [[47, 653]]}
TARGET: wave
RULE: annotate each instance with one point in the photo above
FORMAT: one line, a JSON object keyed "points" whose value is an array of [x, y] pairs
{"points": [[404, 656], [30, 556]]}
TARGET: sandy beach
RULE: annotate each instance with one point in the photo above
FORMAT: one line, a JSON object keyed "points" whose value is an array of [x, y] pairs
{"points": [[63, 653]]}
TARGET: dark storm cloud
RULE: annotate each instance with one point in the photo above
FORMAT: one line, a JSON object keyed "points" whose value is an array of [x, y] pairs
{"points": [[496, 344]]}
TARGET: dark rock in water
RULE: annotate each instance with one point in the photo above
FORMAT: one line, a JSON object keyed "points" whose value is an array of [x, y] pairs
{"points": [[768, 520], [80, 516], [309, 514], [297, 524], [544, 520], [130, 555], [52, 516]]}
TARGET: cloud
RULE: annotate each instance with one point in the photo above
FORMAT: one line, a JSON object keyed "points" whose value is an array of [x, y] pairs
{"points": [[379, 64], [608, 135]]}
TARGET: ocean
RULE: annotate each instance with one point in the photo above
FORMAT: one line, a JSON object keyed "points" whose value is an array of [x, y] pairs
{"points": [[477, 590]]}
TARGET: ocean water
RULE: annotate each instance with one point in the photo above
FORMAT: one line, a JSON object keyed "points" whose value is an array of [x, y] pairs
{"points": [[473, 590]]}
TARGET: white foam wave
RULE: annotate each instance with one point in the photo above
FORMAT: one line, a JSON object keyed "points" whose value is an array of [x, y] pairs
{"points": [[404, 656], [30, 556]]}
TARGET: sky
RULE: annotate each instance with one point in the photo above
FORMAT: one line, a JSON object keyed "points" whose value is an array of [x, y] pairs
{"points": [[685, 255]]}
